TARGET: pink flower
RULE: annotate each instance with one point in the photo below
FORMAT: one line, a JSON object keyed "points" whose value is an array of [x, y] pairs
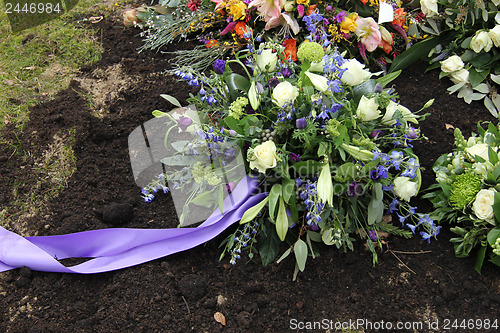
{"points": [[368, 32], [268, 9], [283, 19]]}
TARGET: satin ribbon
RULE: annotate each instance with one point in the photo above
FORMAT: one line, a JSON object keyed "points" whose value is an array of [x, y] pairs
{"points": [[118, 248]]}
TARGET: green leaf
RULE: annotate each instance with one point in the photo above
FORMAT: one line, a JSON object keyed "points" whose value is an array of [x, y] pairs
{"points": [[308, 167], [300, 251], [274, 195], [180, 160], [496, 206], [269, 245], [495, 260], [476, 77], [323, 148], [179, 145], [346, 171], [375, 211], [480, 60], [480, 259], [364, 88], [493, 235], [493, 157], [281, 221], [205, 199], [234, 124], [386, 79], [159, 114], [288, 189], [236, 82], [221, 197], [172, 100], [284, 255], [418, 51], [252, 212]]}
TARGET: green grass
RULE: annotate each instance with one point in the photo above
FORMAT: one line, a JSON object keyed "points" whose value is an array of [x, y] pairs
{"points": [[35, 64], [38, 62]]}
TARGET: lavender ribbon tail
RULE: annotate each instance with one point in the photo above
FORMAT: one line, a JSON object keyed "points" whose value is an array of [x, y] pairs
{"points": [[118, 248]]}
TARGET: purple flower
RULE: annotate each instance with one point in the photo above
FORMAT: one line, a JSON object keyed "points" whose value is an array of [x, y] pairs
{"points": [[328, 8], [352, 189], [184, 123], [373, 235], [219, 66], [301, 123], [273, 82], [295, 157], [376, 134], [341, 16], [286, 72], [374, 175], [413, 133], [230, 187]]}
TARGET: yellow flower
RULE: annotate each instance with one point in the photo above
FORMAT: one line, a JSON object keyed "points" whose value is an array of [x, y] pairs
{"points": [[303, 2], [237, 10], [349, 24]]}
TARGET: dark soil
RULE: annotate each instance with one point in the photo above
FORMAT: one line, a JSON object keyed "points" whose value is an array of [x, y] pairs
{"points": [[417, 282]]}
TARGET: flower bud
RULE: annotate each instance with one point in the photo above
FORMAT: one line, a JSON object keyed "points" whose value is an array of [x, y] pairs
{"points": [[301, 123], [130, 17]]}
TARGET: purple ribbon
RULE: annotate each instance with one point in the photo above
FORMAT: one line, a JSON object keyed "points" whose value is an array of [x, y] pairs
{"points": [[118, 248]]}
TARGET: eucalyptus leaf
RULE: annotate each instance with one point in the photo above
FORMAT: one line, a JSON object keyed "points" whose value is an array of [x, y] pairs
{"points": [[281, 220], [300, 251], [172, 100], [284, 255], [178, 160], [274, 196], [288, 189], [375, 211], [252, 212], [491, 107], [180, 146]]}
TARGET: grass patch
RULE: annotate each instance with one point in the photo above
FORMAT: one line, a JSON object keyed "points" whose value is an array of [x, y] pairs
{"points": [[38, 62]]}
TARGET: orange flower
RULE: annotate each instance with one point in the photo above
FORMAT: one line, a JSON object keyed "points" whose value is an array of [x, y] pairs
{"points": [[310, 9], [241, 28], [385, 46], [364, 2], [399, 17], [290, 48], [212, 43]]}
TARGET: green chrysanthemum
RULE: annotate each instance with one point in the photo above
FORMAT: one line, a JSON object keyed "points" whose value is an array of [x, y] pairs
{"points": [[311, 51], [464, 189]]}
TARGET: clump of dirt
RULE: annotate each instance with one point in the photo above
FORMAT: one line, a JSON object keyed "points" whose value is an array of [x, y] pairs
{"points": [[413, 281]]}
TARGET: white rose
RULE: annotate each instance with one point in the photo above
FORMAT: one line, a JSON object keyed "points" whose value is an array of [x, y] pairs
{"points": [[266, 58], [481, 41], [495, 35], [319, 81], [263, 156], [479, 149], [367, 109], [284, 92], [452, 64], [429, 7], [483, 205], [405, 188], [389, 112], [406, 114], [460, 76], [355, 73]]}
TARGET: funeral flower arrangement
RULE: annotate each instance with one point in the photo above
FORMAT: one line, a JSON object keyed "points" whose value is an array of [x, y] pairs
{"points": [[375, 31], [467, 194], [466, 47], [330, 145]]}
